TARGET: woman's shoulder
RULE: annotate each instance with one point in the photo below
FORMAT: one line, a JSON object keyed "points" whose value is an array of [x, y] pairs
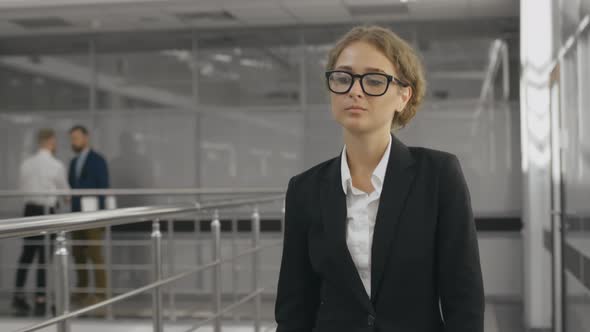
{"points": [[317, 172], [434, 158]]}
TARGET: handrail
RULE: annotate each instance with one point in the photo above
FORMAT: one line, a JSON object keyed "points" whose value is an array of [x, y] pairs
{"points": [[20, 227], [143, 192], [499, 52], [148, 287], [570, 214], [73, 221], [565, 48]]}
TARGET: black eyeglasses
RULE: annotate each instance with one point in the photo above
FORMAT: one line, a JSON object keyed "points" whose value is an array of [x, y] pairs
{"points": [[373, 84]]}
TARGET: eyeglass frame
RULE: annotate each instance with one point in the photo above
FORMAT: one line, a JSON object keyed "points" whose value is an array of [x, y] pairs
{"points": [[390, 78]]}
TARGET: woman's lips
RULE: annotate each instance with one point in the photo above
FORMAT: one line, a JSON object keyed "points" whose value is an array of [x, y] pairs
{"points": [[356, 109]]}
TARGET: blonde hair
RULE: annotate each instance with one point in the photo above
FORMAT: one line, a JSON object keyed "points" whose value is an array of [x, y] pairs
{"points": [[402, 56], [44, 134]]}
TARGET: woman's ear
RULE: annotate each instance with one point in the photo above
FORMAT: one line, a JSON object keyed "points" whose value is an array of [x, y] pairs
{"points": [[406, 95]]}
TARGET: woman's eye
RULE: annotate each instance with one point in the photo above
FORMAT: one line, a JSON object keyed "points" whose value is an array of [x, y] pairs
{"points": [[343, 80], [374, 82]]}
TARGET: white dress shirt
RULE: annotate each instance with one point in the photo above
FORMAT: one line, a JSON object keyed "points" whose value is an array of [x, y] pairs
{"points": [[361, 213], [42, 172]]}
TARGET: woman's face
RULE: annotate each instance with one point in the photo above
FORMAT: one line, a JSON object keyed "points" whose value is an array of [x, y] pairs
{"points": [[356, 111]]}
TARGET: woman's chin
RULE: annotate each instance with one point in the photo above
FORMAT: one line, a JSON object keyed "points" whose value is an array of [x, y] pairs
{"points": [[354, 126]]}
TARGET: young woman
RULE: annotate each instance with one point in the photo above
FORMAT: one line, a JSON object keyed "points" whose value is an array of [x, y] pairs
{"points": [[381, 238]]}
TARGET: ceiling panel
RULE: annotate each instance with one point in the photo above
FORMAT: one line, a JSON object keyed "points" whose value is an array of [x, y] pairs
{"points": [[438, 10], [10, 4], [142, 14], [254, 16], [318, 13], [500, 8]]}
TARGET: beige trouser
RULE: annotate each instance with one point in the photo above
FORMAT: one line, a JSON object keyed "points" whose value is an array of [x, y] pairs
{"points": [[93, 252]]}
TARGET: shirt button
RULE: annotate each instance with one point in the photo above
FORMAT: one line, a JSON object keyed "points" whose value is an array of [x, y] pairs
{"points": [[371, 320]]}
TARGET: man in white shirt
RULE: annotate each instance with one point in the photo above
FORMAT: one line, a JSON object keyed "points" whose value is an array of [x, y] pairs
{"points": [[41, 172]]}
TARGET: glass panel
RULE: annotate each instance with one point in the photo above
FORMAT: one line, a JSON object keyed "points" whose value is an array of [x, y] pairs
{"points": [[32, 90], [160, 78], [486, 142], [41, 83], [254, 68], [318, 44], [250, 148]]}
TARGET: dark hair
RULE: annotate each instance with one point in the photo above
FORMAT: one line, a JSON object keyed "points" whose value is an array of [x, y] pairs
{"points": [[81, 128]]}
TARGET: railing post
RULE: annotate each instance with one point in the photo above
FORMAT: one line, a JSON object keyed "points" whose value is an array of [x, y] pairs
{"points": [[109, 268], [47, 258], [62, 282], [557, 270], [171, 268], [157, 261], [234, 263], [48, 275], [216, 250], [198, 254], [256, 266]]}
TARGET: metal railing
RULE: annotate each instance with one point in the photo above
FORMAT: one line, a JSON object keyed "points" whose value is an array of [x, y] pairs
{"points": [[566, 259], [61, 224], [561, 215], [144, 192]]}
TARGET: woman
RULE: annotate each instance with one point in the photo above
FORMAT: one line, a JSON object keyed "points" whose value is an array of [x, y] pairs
{"points": [[382, 237]]}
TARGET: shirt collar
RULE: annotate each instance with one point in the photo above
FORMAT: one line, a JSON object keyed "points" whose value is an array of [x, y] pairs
{"points": [[378, 176], [45, 152], [84, 153]]}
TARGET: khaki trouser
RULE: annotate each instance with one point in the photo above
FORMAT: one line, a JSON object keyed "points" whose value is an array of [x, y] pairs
{"points": [[93, 252]]}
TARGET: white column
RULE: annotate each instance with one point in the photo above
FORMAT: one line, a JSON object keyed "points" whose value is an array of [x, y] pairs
{"points": [[536, 53]]}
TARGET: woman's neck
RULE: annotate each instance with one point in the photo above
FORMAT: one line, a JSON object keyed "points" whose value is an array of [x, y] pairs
{"points": [[365, 151]]}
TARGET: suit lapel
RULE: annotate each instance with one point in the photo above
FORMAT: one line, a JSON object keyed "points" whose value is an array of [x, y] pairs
{"points": [[83, 170], [398, 181], [333, 205]]}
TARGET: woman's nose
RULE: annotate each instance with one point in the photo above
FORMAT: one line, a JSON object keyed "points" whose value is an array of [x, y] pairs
{"points": [[356, 88]]}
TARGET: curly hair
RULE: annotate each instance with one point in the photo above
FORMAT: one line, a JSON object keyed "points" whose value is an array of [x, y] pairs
{"points": [[400, 53]]}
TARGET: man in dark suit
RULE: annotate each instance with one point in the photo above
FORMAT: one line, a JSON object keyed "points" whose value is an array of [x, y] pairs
{"points": [[88, 170]]}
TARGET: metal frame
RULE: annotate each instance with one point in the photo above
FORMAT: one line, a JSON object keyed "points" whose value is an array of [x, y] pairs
{"points": [[19, 227], [560, 211], [144, 192]]}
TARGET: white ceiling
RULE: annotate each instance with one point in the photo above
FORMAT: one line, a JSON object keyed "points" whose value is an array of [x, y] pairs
{"points": [[114, 15]]}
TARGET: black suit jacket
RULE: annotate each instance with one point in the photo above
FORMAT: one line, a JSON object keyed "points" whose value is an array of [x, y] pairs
{"points": [[93, 175], [425, 269]]}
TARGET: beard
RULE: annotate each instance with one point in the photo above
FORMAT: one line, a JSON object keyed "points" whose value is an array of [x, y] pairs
{"points": [[77, 149]]}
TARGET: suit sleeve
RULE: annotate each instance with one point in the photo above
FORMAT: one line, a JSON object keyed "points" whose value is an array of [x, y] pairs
{"points": [[102, 180], [103, 174], [71, 173], [459, 270], [298, 288]]}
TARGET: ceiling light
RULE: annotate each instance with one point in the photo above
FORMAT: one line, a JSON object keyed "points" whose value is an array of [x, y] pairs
{"points": [[222, 58]]}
